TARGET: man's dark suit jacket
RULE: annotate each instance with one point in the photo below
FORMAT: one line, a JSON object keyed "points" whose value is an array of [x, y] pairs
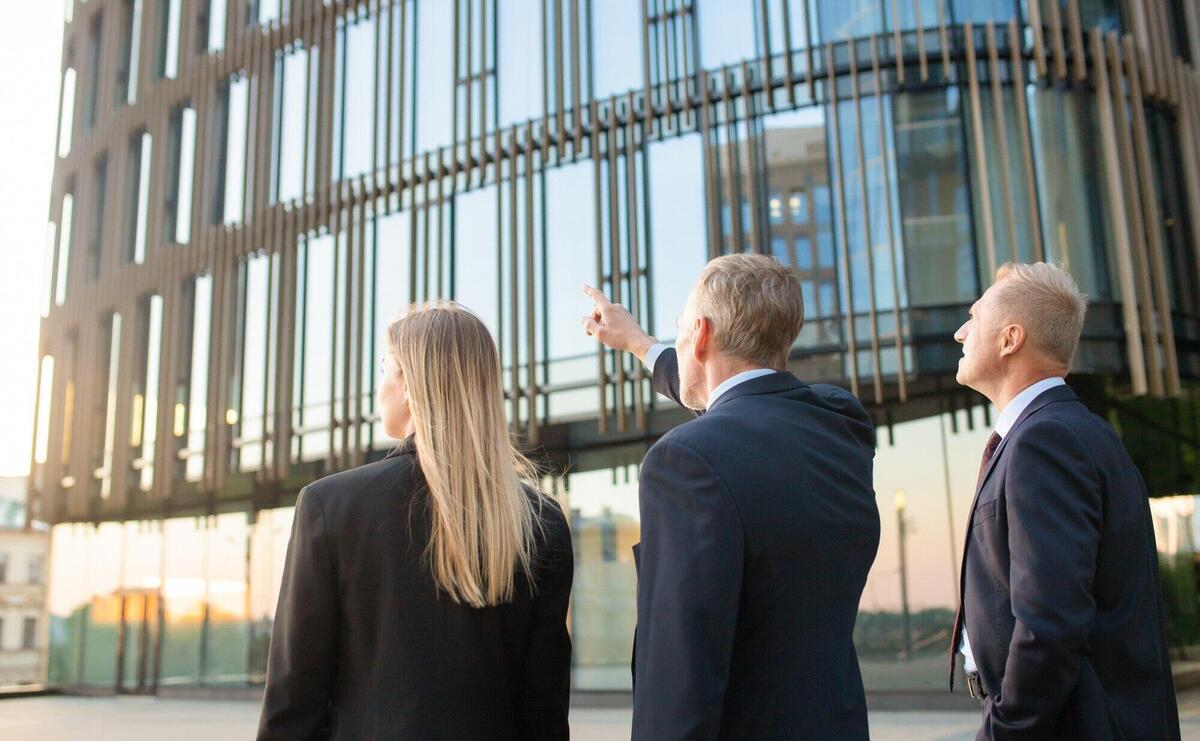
{"points": [[365, 646], [759, 526], [1060, 585]]}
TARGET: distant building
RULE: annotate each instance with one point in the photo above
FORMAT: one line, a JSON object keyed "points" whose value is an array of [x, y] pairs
{"points": [[22, 590]]}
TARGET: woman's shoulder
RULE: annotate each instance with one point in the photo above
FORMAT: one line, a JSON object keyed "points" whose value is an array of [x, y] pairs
{"points": [[384, 481]]}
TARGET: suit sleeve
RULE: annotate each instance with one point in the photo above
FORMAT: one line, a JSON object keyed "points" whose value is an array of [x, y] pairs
{"points": [[666, 377], [1054, 507], [301, 664], [545, 693], [689, 584]]}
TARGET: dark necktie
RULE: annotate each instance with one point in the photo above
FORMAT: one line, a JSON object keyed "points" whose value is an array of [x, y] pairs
{"points": [[992, 443], [956, 635]]}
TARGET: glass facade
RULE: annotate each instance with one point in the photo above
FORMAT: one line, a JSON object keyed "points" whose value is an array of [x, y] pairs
{"points": [[503, 154]]}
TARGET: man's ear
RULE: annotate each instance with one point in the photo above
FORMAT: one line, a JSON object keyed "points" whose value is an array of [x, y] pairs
{"points": [[702, 331], [1012, 339]]}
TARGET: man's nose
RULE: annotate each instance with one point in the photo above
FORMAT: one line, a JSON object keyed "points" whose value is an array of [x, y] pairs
{"points": [[961, 335]]}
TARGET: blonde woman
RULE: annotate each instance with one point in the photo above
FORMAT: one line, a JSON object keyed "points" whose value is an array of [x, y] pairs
{"points": [[425, 595]]}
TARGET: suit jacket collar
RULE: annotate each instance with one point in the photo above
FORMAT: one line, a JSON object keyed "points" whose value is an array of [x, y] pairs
{"points": [[407, 446], [771, 384], [1056, 394]]}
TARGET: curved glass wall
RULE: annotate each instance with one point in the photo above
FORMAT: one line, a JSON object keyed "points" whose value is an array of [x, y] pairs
{"points": [[506, 153]]}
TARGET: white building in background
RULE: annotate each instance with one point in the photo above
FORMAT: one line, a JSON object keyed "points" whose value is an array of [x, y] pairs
{"points": [[23, 556]]}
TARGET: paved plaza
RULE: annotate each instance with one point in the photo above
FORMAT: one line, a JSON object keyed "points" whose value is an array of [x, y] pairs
{"points": [[149, 719]]}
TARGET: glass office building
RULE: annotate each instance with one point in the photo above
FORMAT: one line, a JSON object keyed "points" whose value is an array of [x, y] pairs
{"points": [[247, 191]]}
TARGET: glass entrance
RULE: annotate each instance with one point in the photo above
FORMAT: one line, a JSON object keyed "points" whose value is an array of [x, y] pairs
{"points": [[137, 643]]}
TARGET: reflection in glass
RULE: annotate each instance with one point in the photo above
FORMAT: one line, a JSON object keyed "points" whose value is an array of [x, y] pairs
{"points": [[314, 346], [141, 581], [1066, 149], [66, 118], [64, 250], [196, 404], [728, 32], [226, 643], [103, 621], [290, 159], [935, 212], [390, 274], [677, 227], [616, 45], [216, 25], [139, 196], [92, 70], [354, 127], [257, 363], [519, 65], [268, 550], [603, 511], [236, 130], [127, 75], [1018, 235], [570, 241], [178, 211], [109, 361], [168, 34], [100, 210], [183, 596], [67, 602], [145, 394], [434, 84], [44, 400]]}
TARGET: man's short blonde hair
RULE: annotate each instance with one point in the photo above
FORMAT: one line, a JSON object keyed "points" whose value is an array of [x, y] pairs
{"points": [[1044, 299], [755, 306]]}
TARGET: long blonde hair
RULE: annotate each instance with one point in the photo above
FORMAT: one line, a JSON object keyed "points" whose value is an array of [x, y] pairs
{"points": [[482, 516]]}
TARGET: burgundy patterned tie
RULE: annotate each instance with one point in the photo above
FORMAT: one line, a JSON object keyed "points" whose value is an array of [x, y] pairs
{"points": [[956, 634], [988, 452]]}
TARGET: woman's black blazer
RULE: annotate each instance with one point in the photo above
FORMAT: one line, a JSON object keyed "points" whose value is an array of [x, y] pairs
{"points": [[365, 646]]}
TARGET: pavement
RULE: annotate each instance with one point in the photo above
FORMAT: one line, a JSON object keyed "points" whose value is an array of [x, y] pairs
{"points": [[59, 718]]}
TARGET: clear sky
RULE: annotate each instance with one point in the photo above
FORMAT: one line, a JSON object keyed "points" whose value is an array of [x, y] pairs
{"points": [[30, 61]]}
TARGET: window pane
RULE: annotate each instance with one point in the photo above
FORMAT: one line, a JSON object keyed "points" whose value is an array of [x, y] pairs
{"points": [[570, 262], [616, 45], [45, 399], [168, 35], [268, 550], [99, 209], [216, 25], [390, 271], [110, 358], [520, 62], [127, 74], [315, 347], [48, 269], [356, 91], [145, 396], [936, 213], [183, 589], [1066, 149], [67, 602], [677, 226], [254, 371], [604, 526], [103, 620], [67, 113], [139, 174], [197, 398], [727, 32], [435, 85], [92, 70], [227, 642], [291, 104], [64, 250], [179, 206], [237, 125]]}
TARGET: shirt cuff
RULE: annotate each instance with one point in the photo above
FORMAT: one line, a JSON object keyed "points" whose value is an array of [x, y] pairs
{"points": [[652, 355]]}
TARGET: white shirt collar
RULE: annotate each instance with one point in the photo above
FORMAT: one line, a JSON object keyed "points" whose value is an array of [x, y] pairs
{"points": [[1012, 412], [732, 381]]}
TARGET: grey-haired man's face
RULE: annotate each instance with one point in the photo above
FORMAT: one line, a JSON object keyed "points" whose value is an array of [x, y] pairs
{"points": [[691, 374]]}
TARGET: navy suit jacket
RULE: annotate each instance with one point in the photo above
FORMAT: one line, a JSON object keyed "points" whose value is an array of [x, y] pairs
{"points": [[1060, 585], [759, 526]]}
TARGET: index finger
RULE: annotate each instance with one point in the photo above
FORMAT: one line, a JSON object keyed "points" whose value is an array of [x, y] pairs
{"points": [[596, 295]]}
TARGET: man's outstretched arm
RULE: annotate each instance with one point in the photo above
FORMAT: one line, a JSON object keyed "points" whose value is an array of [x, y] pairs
{"points": [[616, 328]]}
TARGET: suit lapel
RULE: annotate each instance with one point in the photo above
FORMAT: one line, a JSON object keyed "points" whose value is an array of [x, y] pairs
{"points": [[1050, 396]]}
